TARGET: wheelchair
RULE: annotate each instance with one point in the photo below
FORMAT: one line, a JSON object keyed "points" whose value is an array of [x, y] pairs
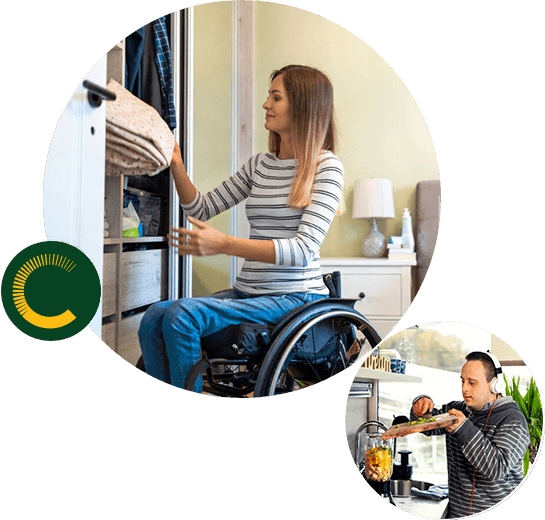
{"points": [[310, 344]]}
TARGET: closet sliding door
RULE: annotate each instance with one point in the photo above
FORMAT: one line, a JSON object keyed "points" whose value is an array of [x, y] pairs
{"points": [[214, 125], [182, 30], [224, 101]]}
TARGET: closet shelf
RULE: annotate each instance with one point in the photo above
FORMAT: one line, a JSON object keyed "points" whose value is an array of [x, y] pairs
{"points": [[133, 240]]}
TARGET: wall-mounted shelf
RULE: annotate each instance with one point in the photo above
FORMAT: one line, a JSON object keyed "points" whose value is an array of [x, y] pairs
{"points": [[364, 374]]}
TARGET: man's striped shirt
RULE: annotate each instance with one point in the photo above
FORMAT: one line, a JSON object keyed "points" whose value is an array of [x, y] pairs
{"points": [[492, 459]]}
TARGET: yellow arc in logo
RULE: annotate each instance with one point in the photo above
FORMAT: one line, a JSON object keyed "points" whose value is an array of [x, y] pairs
{"points": [[48, 322], [44, 322]]}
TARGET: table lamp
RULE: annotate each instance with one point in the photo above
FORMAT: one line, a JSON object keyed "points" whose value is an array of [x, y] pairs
{"points": [[374, 199]]}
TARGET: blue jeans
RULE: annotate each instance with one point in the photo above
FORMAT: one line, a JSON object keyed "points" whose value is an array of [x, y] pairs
{"points": [[170, 331]]}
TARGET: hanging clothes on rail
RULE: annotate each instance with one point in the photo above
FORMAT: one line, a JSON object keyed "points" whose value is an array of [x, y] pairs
{"points": [[138, 140], [148, 73], [134, 48], [151, 86], [164, 68]]}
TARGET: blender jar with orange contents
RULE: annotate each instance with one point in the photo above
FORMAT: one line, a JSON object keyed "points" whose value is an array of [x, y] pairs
{"points": [[378, 457]]}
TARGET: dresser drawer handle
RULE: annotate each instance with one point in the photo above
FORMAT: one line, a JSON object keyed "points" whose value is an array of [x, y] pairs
{"points": [[362, 295]]}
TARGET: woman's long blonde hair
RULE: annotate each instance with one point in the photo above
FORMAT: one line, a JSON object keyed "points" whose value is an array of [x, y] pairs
{"points": [[310, 96]]}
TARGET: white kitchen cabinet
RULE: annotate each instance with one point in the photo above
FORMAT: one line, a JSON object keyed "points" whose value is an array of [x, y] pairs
{"points": [[384, 286]]}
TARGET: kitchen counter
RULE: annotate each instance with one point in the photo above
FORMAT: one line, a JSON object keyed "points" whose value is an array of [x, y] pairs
{"points": [[407, 501], [423, 507]]}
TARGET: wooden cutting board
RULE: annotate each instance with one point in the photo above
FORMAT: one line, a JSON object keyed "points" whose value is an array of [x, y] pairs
{"points": [[403, 429]]}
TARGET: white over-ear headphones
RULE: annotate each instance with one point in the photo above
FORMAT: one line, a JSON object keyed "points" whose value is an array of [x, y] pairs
{"points": [[497, 385]]}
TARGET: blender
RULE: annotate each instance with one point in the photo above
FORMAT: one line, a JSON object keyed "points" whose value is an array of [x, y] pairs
{"points": [[377, 458]]}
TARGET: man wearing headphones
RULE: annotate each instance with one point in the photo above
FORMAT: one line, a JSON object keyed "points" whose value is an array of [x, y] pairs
{"points": [[487, 443]]}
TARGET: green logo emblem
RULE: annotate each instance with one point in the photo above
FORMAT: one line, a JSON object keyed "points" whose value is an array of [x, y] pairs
{"points": [[51, 290]]}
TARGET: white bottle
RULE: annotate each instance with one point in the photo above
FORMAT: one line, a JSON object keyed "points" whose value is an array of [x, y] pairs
{"points": [[407, 231]]}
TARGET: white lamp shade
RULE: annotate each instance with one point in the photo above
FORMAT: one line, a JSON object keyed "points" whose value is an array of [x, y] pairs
{"points": [[373, 198]]}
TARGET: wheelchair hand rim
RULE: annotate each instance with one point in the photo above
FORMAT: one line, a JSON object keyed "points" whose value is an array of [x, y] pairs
{"points": [[350, 314]]}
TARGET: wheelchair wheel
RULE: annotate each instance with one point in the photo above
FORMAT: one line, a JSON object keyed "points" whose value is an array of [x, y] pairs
{"points": [[312, 348]]}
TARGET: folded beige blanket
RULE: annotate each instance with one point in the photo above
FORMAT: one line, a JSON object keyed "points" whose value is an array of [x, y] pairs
{"points": [[138, 140]]}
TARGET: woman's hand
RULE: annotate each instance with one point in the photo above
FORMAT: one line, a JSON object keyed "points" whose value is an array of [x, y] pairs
{"points": [[176, 155], [202, 240]]}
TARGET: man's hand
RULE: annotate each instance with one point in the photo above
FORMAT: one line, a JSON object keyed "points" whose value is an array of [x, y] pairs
{"points": [[460, 419], [423, 406]]}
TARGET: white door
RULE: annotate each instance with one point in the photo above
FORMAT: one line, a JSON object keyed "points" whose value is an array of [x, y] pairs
{"points": [[74, 178]]}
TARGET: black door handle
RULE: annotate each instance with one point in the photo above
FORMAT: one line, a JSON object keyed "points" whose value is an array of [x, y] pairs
{"points": [[96, 93]]}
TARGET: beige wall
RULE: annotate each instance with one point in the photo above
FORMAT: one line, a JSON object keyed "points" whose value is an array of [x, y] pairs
{"points": [[382, 132]]}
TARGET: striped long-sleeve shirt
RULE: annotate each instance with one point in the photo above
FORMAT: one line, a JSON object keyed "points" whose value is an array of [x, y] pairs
{"points": [[494, 457], [265, 181]]}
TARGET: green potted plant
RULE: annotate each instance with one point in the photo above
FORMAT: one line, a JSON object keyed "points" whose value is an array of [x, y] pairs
{"points": [[530, 405]]}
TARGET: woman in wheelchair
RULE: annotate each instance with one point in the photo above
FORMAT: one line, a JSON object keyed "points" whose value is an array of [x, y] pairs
{"points": [[292, 193]]}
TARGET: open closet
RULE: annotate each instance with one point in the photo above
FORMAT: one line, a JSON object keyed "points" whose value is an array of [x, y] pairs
{"points": [[141, 270], [84, 207]]}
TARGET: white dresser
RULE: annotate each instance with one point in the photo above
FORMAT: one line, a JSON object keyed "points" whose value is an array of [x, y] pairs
{"points": [[385, 284]]}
